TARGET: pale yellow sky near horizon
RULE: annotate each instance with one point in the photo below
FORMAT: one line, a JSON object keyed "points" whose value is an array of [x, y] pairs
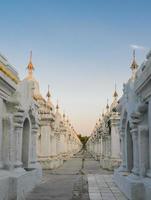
{"points": [[80, 48]]}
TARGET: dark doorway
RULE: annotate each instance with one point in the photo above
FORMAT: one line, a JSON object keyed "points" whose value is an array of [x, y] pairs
{"points": [[25, 143]]}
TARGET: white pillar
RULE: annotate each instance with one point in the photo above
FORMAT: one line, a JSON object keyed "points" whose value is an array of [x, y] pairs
{"points": [[34, 153], [8, 142], [135, 169], [53, 145], [123, 154], [18, 146], [143, 150], [115, 138]]}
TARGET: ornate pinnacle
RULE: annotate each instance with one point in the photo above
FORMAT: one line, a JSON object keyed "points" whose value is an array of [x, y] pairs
{"points": [[115, 95], [57, 106], [134, 65], [48, 93], [107, 105], [30, 66]]}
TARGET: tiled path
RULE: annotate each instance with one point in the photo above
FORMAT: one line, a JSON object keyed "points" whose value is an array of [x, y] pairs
{"points": [[102, 187], [77, 180]]}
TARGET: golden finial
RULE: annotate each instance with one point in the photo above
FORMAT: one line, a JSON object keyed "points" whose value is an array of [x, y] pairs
{"points": [[30, 56], [57, 106], [67, 119], [134, 65], [64, 115], [30, 66], [103, 113], [48, 93], [107, 105], [115, 95]]}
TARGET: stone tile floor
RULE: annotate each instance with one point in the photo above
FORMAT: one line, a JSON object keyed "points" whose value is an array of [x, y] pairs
{"points": [[77, 181], [102, 187]]}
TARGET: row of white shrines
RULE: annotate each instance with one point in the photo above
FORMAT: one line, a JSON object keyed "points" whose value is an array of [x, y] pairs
{"points": [[33, 134], [121, 139]]}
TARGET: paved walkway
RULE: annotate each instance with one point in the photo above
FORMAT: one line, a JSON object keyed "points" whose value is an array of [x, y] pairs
{"points": [[102, 187], [77, 180], [65, 183]]}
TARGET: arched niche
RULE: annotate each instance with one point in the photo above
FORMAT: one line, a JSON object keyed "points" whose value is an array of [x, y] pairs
{"points": [[25, 142]]}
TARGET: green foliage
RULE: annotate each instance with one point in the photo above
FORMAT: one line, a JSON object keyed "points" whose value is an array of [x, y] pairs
{"points": [[83, 139]]}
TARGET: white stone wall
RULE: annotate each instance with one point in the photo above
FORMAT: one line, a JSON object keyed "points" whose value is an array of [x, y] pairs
{"points": [[133, 176], [56, 140], [18, 130], [104, 143]]}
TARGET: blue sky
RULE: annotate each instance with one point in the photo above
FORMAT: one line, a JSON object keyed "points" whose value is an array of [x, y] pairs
{"points": [[80, 47]]}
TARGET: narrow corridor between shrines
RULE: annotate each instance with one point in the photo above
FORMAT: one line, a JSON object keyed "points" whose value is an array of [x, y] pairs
{"points": [[70, 182]]}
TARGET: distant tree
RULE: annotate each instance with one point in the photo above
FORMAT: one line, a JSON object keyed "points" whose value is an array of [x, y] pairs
{"points": [[83, 139]]}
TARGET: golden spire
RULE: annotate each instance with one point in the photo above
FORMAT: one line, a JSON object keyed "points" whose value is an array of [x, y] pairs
{"points": [[103, 113], [115, 95], [67, 119], [134, 65], [107, 105], [30, 66], [57, 106], [48, 93], [64, 115]]}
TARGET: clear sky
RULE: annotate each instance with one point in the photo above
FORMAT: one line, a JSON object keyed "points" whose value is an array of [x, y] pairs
{"points": [[80, 47]]}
